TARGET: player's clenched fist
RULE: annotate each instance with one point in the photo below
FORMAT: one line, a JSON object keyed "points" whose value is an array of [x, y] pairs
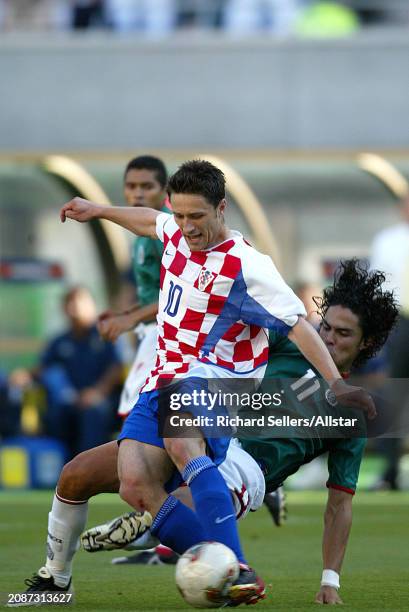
{"points": [[353, 397], [78, 209], [328, 595]]}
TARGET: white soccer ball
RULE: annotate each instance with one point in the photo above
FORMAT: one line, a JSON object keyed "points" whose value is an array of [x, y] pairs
{"points": [[204, 574]]}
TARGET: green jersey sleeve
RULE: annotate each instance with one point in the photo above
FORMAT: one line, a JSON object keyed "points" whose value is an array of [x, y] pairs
{"points": [[146, 261]]}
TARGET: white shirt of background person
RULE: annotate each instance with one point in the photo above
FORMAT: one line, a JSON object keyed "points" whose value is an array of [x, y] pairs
{"points": [[390, 252]]}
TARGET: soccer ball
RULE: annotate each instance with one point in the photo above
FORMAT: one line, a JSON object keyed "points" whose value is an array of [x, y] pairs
{"points": [[204, 574]]}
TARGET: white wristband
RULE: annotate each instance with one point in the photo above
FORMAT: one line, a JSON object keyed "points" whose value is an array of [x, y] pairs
{"points": [[330, 578]]}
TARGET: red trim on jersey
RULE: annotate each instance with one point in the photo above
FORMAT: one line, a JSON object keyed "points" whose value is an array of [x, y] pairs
{"points": [[330, 485], [240, 498]]}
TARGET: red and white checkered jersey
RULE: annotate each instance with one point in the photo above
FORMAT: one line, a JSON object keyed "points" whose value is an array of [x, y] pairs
{"points": [[215, 306]]}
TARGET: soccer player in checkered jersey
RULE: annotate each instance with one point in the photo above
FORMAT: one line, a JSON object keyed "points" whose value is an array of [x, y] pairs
{"points": [[217, 297]]}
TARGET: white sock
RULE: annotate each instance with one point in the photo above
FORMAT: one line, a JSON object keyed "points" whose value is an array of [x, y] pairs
{"points": [[66, 522], [145, 542]]}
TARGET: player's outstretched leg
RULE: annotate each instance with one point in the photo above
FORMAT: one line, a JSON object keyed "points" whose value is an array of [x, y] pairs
{"points": [[215, 511], [65, 522], [90, 473]]}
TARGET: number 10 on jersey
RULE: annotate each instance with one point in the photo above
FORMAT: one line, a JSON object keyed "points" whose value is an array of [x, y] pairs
{"points": [[172, 305]]}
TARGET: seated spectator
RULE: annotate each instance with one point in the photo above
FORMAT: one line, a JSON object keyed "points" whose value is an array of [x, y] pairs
{"points": [[80, 372]]}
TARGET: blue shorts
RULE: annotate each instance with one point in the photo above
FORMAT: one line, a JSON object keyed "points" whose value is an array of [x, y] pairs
{"points": [[142, 424]]}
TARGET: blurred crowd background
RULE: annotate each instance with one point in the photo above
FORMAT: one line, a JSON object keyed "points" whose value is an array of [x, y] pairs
{"points": [[285, 93], [161, 17]]}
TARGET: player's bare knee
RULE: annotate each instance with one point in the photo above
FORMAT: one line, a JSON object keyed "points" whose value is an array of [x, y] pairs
{"points": [[136, 492], [183, 450], [73, 482]]}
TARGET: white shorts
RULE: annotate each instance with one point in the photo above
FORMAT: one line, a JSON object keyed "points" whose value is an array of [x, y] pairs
{"points": [[244, 478], [142, 366]]}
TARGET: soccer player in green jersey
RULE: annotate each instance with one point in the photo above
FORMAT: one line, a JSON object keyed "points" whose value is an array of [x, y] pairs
{"points": [[356, 318], [145, 181]]}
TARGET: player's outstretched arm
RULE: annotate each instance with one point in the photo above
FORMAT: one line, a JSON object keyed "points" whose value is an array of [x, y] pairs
{"points": [[309, 342], [337, 526], [140, 221]]}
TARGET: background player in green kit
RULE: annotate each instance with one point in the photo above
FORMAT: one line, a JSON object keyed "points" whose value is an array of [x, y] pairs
{"points": [[145, 181], [357, 317]]}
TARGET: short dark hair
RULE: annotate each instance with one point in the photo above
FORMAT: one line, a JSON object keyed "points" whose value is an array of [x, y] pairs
{"points": [[149, 162], [360, 289], [199, 177]]}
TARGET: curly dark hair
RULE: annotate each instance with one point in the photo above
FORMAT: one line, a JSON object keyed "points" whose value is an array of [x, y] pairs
{"points": [[360, 289]]}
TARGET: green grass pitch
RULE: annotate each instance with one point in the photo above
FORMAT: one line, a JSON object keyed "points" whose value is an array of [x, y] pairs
{"points": [[375, 576]]}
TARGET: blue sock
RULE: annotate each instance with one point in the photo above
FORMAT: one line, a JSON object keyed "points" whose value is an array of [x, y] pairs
{"points": [[177, 526], [213, 503]]}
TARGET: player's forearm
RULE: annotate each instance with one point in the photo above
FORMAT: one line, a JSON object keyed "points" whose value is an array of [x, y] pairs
{"points": [[139, 220], [140, 314], [308, 341], [337, 526]]}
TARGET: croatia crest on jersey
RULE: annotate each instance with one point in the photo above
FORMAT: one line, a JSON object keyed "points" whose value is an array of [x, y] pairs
{"points": [[205, 278]]}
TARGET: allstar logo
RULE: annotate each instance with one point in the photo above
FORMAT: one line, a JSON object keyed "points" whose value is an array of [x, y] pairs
{"points": [[205, 278]]}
